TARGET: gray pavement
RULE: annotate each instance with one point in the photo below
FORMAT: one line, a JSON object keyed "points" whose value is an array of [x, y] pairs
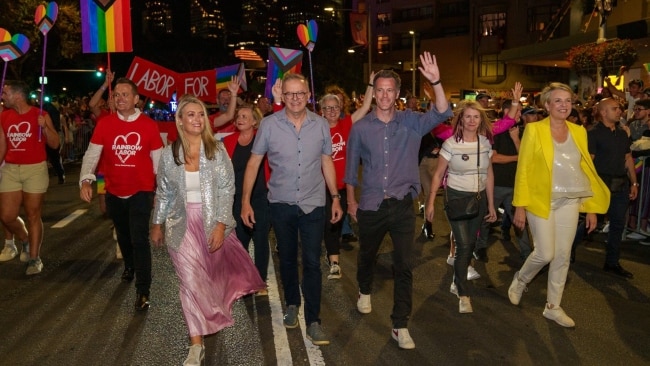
{"points": [[77, 311]]}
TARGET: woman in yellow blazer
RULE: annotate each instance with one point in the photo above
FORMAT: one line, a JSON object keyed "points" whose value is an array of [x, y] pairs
{"points": [[555, 181]]}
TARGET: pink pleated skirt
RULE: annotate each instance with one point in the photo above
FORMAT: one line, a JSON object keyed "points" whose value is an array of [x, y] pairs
{"points": [[210, 283]]}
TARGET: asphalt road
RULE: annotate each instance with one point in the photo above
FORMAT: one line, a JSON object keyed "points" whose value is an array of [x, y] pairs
{"points": [[77, 312]]}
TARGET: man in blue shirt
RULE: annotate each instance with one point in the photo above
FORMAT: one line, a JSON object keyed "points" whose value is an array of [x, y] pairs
{"points": [[298, 147], [386, 141]]}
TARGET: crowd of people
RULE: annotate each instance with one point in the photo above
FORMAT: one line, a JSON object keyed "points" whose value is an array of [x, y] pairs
{"points": [[305, 170]]}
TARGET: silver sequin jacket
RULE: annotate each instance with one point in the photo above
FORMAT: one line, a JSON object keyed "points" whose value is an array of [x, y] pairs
{"points": [[217, 193]]}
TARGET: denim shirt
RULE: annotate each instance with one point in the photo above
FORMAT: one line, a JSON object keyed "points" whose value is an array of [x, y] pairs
{"points": [[389, 154], [295, 158]]}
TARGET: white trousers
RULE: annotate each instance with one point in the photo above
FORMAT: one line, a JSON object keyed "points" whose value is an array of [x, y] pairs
{"points": [[552, 238]]}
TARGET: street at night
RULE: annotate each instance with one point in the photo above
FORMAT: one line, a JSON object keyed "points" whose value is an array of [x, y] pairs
{"points": [[77, 312]]}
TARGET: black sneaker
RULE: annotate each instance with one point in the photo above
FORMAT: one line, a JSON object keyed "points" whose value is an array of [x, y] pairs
{"points": [[128, 275], [141, 302], [618, 270], [349, 238]]}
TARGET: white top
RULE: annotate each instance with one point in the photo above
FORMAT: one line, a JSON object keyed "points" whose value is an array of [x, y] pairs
{"points": [[193, 186], [568, 178], [462, 172]]}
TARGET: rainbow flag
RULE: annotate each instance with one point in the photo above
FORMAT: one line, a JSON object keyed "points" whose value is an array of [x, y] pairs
{"points": [[281, 61], [106, 26], [225, 73]]}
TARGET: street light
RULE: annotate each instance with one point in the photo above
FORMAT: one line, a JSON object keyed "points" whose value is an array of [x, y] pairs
{"points": [[412, 33]]}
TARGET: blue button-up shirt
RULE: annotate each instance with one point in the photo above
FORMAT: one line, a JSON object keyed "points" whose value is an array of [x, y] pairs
{"points": [[389, 154], [295, 158]]}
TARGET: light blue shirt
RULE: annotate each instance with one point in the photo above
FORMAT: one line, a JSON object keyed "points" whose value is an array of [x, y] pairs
{"points": [[295, 158]]}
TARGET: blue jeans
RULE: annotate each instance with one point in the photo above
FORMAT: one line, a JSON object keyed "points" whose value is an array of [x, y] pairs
{"points": [[396, 217], [618, 205], [259, 233], [131, 217], [465, 235], [290, 222]]}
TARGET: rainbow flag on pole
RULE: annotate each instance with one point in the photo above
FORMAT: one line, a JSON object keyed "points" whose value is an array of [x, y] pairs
{"points": [[225, 73], [106, 26]]}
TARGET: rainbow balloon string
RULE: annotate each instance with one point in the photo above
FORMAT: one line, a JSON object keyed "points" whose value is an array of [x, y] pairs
{"points": [[308, 33], [45, 17]]}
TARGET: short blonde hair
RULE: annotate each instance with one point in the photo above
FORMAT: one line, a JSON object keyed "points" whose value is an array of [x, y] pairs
{"points": [[545, 95]]}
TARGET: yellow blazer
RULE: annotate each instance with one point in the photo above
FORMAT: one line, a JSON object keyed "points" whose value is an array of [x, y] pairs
{"points": [[533, 179]]}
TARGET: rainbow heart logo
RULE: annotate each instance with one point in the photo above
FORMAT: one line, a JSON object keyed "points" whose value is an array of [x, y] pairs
{"points": [[12, 47], [307, 33], [45, 16]]}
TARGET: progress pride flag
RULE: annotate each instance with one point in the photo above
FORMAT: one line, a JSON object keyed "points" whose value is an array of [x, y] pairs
{"points": [[153, 81]]}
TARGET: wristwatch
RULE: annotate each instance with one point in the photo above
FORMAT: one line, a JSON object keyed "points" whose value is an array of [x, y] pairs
{"points": [[635, 184], [336, 196]]}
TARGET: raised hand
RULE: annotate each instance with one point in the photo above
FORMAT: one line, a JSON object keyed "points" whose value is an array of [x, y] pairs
{"points": [[233, 84], [429, 68]]}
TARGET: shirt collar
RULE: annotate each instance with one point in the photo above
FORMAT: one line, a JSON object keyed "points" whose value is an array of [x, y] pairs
{"points": [[130, 118]]}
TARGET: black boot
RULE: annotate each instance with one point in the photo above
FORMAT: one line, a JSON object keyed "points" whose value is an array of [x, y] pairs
{"points": [[427, 230]]}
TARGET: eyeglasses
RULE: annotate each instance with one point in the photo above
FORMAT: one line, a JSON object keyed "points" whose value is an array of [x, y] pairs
{"points": [[639, 109], [332, 109], [298, 95]]}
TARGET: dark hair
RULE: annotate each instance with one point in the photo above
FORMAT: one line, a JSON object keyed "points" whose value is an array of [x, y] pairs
{"points": [[645, 103], [388, 74], [20, 87], [507, 104], [128, 82], [637, 82]]}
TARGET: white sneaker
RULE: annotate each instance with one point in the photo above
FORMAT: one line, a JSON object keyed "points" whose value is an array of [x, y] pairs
{"points": [[335, 272], [450, 260], [472, 274], [516, 289], [363, 304], [635, 236], [453, 289], [403, 338], [118, 252], [35, 266], [195, 356], [559, 316], [8, 253], [465, 305], [605, 228], [24, 255]]}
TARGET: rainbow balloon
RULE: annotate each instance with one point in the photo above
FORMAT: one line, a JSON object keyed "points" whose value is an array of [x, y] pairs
{"points": [[308, 33], [12, 47], [45, 16]]}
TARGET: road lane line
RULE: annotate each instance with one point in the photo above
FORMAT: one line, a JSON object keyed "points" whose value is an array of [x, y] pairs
{"points": [[70, 218]]}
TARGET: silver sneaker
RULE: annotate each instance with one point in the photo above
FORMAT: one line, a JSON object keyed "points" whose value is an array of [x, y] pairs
{"points": [[335, 272], [316, 335], [195, 356], [517, 288], [35, 266], [8, 253], [472, 274], [24, 255]]}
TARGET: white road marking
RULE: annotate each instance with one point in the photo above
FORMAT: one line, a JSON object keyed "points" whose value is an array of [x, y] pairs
{"points": [[70, 218]]}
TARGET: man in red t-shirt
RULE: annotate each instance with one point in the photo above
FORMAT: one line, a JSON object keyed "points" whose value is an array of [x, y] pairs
{"points": [[24, 182], [129, 144]]}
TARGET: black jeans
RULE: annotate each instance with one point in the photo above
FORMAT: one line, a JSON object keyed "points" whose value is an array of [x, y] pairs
{"points": [[396, 217], [54, 157], [131, 217], [465, 235], [259, 233], [333, 231]]}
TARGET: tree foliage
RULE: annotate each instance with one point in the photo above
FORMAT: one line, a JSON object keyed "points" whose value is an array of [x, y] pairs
{"points": [[63, 40]]}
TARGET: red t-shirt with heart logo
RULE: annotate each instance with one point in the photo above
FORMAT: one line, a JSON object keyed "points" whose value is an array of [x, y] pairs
{"points": [[340, 134], [126, 153], [21, 134]]}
